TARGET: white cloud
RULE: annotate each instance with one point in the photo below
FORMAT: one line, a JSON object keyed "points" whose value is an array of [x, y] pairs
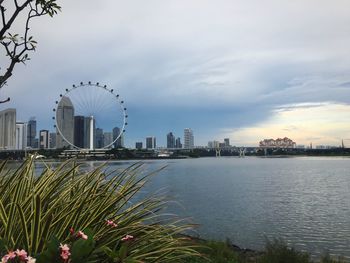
{"points": [[324, 123]]}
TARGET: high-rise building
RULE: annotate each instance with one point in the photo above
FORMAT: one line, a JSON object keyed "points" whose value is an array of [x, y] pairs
{"points": [[99, 143], [44, 139], [120, 142], [170, 140], [31, 132], [36, 143], [52, 140], [8, 129], [150, 142], [79, 131], [188, 139], [87, 129], [178, 143], [227, 142], [213, 144], [107, 138], [138, 145], [222, 145], [21, 135], [65, 122]]}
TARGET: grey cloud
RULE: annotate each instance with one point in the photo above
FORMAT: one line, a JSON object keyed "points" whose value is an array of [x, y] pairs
{"points": [[245, 58]]}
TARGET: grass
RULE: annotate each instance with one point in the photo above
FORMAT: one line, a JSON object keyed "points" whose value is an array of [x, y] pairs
{"points": [[275, 251]]}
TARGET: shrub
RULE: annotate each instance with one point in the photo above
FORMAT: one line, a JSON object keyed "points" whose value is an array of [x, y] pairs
{"points": [[278, 252], [90, 212]]}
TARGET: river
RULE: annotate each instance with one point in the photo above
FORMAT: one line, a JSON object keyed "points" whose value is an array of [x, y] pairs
{"points": [[303, 200]]}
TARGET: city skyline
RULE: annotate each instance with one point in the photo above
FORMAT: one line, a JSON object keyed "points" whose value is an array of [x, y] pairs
{"points": [[252, 72], [32, 137]]}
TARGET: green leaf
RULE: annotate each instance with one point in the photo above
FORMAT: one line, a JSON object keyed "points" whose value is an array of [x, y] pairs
{"points": [[109, 252], [81, 248], [123, 251], [51, 254]]}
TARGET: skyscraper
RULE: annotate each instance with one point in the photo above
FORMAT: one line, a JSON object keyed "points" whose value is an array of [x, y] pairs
{"points": [[188, 139], [52, 140], [170, 140], [79, 131], [120, 142], [99, 143], [227, 142], [178, 143], [150, 142], [21, 135], [138, 145], [31, 132], [44, 139], [87, 129], [8, 129], [107, 138], [65, 122]]}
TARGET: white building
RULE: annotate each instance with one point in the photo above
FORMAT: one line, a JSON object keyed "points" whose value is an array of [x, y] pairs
{"points": [[65, 122], [21, 135], [44, 139], [188, 139], [213, 144], [150, 142], [8, 129]]}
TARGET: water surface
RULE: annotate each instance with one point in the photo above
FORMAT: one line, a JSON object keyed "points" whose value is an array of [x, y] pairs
{"points": [[303, 200]]}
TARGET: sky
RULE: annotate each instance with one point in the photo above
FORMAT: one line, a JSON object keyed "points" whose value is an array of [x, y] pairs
{"points": [[240, 69]]}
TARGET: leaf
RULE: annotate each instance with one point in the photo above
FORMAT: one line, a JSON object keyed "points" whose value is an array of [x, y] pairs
{"points": [[109, 252], [81, 248], [51, 254], [24, 227], [2, 245], [123, 251]]}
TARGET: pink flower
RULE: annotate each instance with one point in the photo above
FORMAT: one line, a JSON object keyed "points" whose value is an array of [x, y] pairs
{"points": [[31, 260], [65, 255], [127, 237], [64, 252], [82, 235], [64, 247], [9, 255], [111, 223], [22, 254]]}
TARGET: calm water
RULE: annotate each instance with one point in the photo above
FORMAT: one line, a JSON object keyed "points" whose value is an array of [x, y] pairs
{"points": [[304, 200]]}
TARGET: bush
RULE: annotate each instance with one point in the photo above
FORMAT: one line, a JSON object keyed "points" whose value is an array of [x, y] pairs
{"points": [[68, 215], [327, 259], [278, 252], [214, 251]]}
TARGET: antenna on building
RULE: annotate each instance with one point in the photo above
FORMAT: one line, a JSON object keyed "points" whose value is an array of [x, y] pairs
{"points": [[342, 143]]}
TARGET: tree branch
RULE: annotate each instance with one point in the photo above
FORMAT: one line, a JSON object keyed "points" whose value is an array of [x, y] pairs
{"points": [[2, 8], [17, 47], [4, 101], [9, 23]]}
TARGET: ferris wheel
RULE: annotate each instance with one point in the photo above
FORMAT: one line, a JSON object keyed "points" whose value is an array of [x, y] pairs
{"points": [[89, 116]]}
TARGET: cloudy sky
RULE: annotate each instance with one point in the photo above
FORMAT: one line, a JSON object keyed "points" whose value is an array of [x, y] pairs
{"points": [[243, 69]]}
